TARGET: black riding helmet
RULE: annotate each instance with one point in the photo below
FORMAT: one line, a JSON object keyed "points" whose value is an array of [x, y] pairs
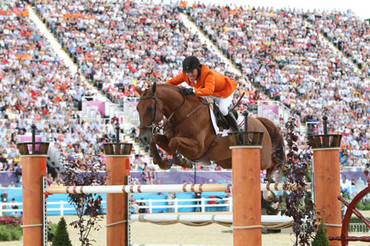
{"points": [[190, 63]]}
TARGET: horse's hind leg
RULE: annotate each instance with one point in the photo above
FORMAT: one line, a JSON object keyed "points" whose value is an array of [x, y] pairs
{"points": [[269, 173], [224, 163]]}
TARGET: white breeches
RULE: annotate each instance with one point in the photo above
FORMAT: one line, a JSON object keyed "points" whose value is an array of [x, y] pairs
{"points": [[224, 103]]}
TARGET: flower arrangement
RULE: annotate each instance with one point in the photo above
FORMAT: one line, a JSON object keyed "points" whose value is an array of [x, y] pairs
{"points": [[10, 220]]}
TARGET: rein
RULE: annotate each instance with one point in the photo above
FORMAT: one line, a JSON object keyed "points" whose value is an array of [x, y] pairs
{"points": [[155, 128], [185, 117]]}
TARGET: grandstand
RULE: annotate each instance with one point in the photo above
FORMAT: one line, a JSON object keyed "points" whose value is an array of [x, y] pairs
{"points": [[310, 63]]}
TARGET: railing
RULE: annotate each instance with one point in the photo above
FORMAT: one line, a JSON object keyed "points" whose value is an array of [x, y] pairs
{"points": [[358, 227], [172, 205], [62, 207]]}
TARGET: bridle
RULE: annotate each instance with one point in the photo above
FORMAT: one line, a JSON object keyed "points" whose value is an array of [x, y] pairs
{"points": [[154, 127]]}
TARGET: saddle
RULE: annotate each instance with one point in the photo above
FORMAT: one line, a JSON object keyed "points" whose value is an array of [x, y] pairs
{"points": [[220, 118]]}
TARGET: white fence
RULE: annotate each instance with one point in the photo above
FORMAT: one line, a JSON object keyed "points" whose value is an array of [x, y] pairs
{"points": [[5, 208], [150, 204], [358, 227], [202, 203]]}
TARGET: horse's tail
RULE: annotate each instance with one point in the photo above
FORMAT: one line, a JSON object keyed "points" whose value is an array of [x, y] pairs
{"points": [[277, 141]]}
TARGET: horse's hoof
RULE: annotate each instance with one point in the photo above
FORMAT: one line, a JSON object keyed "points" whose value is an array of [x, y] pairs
{"points": [[166, 164], [189, 164], [157, 161]]}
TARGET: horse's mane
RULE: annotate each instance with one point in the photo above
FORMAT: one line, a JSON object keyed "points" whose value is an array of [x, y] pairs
{"points": [[176, 88], [168, 86]]}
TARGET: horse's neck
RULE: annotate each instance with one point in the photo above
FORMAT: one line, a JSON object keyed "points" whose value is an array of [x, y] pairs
{"points": [[171, 101]]}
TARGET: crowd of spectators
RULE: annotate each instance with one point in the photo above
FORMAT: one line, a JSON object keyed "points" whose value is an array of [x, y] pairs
{"points": [[282, 54], [347, 32], [37, 88], [119, 45]]}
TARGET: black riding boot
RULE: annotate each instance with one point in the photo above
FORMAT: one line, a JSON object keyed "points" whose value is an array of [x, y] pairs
{"points": [[232, 121]]}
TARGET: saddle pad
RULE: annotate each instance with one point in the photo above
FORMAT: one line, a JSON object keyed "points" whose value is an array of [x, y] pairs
{"points": [[225, 132]]}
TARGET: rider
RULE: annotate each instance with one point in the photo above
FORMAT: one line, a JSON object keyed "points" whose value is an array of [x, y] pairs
{"points": [[206, 82]]}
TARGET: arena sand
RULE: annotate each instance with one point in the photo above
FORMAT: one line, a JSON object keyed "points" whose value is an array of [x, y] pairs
{"points": [[176, 234]]}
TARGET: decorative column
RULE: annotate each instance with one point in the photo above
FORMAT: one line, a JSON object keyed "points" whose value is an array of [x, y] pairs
{"points": [[118, 167], [33, 158], [246, 188], [327, 180]]}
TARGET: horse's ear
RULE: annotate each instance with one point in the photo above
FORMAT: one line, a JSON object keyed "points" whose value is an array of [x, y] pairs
{"points": [[154, 87], [138, 90]]}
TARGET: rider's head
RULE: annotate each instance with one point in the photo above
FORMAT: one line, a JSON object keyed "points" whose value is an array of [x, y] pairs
{"points": [[191, 66]]}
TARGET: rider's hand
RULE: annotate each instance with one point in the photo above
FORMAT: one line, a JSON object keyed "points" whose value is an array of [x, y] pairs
{"points": [[187, 91]]}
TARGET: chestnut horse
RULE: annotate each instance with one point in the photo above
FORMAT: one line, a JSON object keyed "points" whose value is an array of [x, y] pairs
{"points": [[188, 130]]}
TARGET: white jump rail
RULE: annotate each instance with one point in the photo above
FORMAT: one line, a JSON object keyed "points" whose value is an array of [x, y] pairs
{"points": [[228, 218], [161, 188], [138, 188]]}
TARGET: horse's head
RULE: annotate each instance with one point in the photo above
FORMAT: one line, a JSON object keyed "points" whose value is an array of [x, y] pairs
{"points": [[149, 113]]}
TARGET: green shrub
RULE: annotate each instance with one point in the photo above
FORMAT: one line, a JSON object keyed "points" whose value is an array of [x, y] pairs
{"points": [[16, 233], [10, 233], [363, 206], [354, 219], [321, 238], [53, 228], [61, 237], [4, 233]]}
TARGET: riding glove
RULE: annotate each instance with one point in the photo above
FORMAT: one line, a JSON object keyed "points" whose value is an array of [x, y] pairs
{"points": [[187, 91]]}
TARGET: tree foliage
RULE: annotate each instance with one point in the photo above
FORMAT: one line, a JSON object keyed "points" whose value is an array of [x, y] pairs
{"points": [[321, 239], [61, 237], [299, 204], [90, 176]]}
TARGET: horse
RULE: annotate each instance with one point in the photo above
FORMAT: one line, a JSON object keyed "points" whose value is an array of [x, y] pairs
{"points": [[188, 130]]}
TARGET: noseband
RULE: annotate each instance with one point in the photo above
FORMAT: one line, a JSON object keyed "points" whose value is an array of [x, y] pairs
{"points": [[155, 129]]}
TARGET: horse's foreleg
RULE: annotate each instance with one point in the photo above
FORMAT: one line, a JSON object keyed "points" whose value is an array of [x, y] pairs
{"points": [[187, 147], [157, 159], [162, 142]]}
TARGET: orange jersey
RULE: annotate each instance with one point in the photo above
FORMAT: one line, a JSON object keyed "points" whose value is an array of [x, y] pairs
{"points": [[209, 83]]}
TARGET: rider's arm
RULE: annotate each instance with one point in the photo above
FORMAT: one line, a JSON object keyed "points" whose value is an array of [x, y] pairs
{"points": [[208, 88], [177, 80]]}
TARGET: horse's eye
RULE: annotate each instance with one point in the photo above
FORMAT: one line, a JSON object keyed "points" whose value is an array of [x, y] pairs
{"points": [[150, 109]]}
